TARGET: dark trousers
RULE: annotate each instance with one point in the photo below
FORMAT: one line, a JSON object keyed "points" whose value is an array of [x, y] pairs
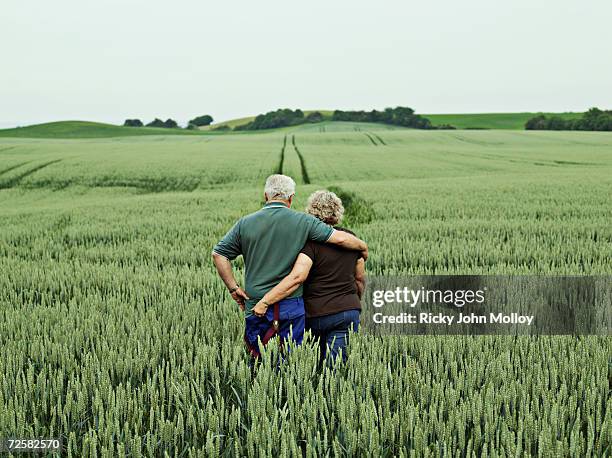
{"points": [[332, 331]]}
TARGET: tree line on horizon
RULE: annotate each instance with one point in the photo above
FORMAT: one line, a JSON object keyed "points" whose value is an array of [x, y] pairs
{"points": [[169, 123], [593, 120], [398, 116], [282, 117]]}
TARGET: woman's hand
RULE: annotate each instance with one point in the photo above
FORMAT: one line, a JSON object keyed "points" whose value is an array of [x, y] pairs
{"points": [[260, 308]]}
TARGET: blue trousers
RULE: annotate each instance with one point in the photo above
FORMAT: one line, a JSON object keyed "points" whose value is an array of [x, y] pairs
{"points": [[332, 331], [291, 321]]}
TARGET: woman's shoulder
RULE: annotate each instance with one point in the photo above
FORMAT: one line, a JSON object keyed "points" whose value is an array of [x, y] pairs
{"points": [[344, 229], [314, 249]]}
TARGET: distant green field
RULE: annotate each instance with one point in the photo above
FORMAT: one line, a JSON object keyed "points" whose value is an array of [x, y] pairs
{"points": [[338, 126], [87, 129], [491, 120]]}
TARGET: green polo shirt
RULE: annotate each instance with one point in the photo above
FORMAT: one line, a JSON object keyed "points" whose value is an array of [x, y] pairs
{"points": [[269, 241]]}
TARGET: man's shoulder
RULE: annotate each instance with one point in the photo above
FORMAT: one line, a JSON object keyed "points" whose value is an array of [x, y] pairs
{"points": [[297, 213], [252, 216], [295, 218], [277, 213], [284, 212], [306, 218]]}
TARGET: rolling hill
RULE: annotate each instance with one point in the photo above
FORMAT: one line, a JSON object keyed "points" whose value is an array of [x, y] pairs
{"points": [[87, 129], [327, 114], [514, 121]]}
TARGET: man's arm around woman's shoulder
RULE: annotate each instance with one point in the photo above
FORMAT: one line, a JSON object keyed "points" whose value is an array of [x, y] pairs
{"points": [[349, 241]]}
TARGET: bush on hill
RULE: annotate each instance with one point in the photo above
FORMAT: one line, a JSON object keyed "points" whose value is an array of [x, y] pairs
{"points": [[133, 123], [168, 123], [594, 119], [156, 123], [315, 116], [204, 120], [272, 119]]}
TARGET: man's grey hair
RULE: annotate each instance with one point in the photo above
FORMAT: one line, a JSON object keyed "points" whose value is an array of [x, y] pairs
{"points": [[279, 187]]}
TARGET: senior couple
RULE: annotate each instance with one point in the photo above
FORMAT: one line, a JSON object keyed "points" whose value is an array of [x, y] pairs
{"points": [[301, 269]]}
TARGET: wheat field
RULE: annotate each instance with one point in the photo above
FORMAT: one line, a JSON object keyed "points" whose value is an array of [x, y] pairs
{"points": [[117, 335]]}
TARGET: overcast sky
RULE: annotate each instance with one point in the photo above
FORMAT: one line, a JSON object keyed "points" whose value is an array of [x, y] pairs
{"points": [[115, 59]]}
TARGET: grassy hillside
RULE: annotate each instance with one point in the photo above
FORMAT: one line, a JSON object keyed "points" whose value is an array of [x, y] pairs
{"points": [[86, 129], [230, 123], [491, 120], [240, 121]]}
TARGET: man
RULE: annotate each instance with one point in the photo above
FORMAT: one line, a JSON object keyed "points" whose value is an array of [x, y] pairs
{"points": [[269, 241]]}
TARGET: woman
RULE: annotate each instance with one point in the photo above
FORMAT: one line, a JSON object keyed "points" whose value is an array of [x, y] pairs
{"points": [[334, 281]]}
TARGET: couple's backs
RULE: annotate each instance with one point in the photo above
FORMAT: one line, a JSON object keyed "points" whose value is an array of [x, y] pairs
{"points": [[269, 241]]}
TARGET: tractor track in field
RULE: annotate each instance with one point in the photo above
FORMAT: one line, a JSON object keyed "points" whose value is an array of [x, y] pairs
{"points": [[281, 160], [13, 167], [379, 138], [305, 177], [371, 139], [473, 141], [12, 182], [374, 138]]}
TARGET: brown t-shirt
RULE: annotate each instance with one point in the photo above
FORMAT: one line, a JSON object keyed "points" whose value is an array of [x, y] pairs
{"points": [[330, 287]]}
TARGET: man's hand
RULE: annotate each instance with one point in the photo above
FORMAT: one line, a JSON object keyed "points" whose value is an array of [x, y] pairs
{"points": [[240, 296], [224, 268], [260, 309]]}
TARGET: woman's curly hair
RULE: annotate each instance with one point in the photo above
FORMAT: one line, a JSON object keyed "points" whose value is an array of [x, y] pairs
{"points": [[326, 206]]}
